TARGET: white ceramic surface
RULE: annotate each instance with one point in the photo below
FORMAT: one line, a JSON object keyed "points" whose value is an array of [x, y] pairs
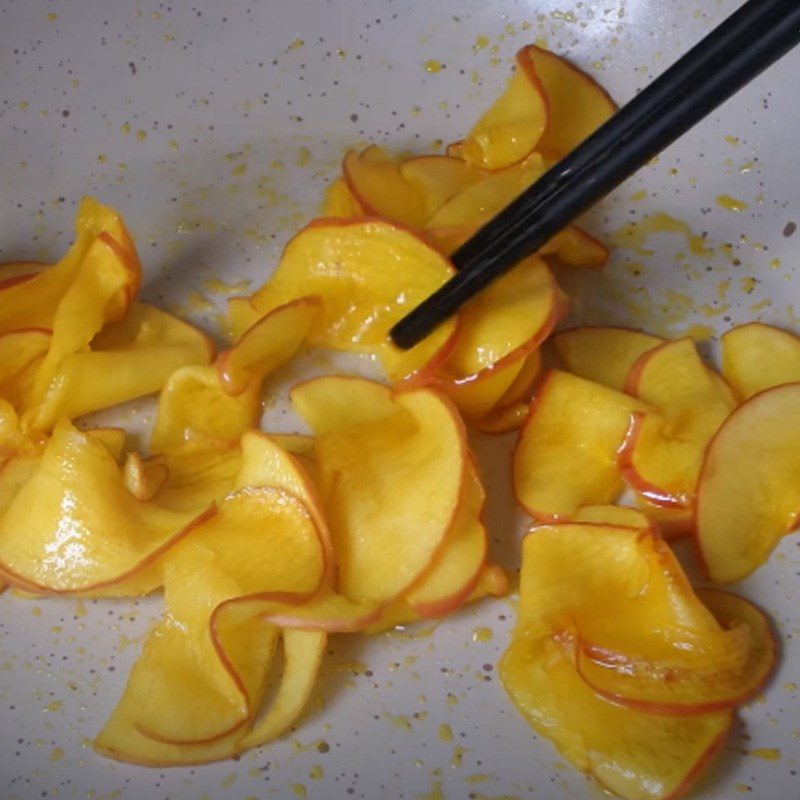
{"points": [[213, 126]]}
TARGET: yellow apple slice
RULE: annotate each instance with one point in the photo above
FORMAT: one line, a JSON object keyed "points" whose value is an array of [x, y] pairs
{"points": [[604, 514], [14, 272], [663, 452], [756, 357], [603, 355], [510, 130], [267, 345], [512, 408], [339, 201], [72, 527], [577, 104], [391, 474], [241, 316], [566, 455], [21, 352], [439, 178], [746, 495], [368, 274]]}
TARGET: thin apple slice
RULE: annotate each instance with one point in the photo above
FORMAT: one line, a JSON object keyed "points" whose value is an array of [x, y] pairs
{"points": [[512, 127], [439, 178], [267, 345], [671, 522], [576, 103], [566, 455], [709, 672], [339, 201], [756, 357], [72, 527], [574, 247], [368, 274], [603, 354], [241, 316], [604, 514], [391, 474], [663, 452], [748, 496], [512, 408], [21, 353], [376, 182], [14, 272], [585, 579]]}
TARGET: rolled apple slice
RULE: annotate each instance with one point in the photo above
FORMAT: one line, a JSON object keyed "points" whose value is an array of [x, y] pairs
{"points": [[663, 451], [73, 528], [267, 345], [498, 330], [747, 498], [368, 273], [126, 360], [512, 127], [581, 580], [756, 357], [391, 469], [566, 454], [577, 104], [604, 355]]}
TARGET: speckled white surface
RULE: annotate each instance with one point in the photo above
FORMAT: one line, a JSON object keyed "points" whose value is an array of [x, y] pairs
{"points": [[213, 127]]}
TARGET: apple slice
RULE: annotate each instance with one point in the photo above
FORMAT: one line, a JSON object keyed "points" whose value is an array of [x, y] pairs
{"points": [[21, 352], [339, 201], [510, 130], [241, 316], [746, 495], [14, 272], [143, 482], [584, 579], [663, 451], [383, 459], [604, 514], [710, 670], [756, 357], [671, 522], [574, 247], [512, 408], [368, 274], [72, 527], [267, 345], [603, 355], [566, 454], [439, 178], [576, 103]]}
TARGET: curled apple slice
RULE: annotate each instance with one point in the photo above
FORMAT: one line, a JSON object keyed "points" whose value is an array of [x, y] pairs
{"points": [[339, 201], [391, 470], [241, 316], [604, 355], [512, 127], [440, 178], [756, 357], [747, 496], [72, 527], [566, 455], [368, 274], [21, 353], [663, 451], [512, 408]]}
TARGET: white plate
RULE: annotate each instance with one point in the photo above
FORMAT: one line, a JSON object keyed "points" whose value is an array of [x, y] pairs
{"points": [[213, 127]]}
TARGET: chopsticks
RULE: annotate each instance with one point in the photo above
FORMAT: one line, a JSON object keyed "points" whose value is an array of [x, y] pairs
{"points": [[744, 45]]}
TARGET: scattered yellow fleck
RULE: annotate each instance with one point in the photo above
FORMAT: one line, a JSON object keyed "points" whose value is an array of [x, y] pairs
{"points": [[743, 788], [707, 310], [699, 332], [56, 629], [541, 41], [228, 780], [746, 167], [775, 263], [567, 16], [634, 235], [217, 286], [732, 140], [495, 61], [526, 26], [731, 204], [23, 105], [125, 127], [341, 53], [458, 756], [746, 285], [141, 135], [56, 754], [432, 65], [296, 44], [75, 83], [434, 794], [80, 609], [445, 733], [637, 197], [790, 687], [475, 77], [36, 611], [482, 634], [401, 722], [168, 37], [437, 144], [299, 790], [316, 773], [51, 17], [478, 777], [173, 145], [722, 288], [767, 753], [481, 41], [54, 706], [303, 157], [795, 734], [276, 163], [443, 105], [239, 169], [198, 302], [452, 700], [415, 111], [102, 158], [510, 29]]}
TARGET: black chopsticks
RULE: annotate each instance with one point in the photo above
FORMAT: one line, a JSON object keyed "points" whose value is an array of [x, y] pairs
{"points": [[748, 42]]}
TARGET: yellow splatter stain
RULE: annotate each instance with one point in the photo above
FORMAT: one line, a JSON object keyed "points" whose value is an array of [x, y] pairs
{"points": [[102, 158], [435, 793], [708, 310], [635, 235], [478, 777], [36, 611], [761, 304], [173, 145], [54, 706], [141, 135], [731, 203], [217, 286], [303, 157], [445, 733], [316, 773], [790, 687], [481, 41], [23, 105], [433, 65], [732, 140], [452, 700], [458, 756], [746, 167], [637, 197], [239, 169], [748, 284], [299, 790], [775, 263], [296, 44], [482, 634], [51, 17], [401, 722], [56, 755], [723, 287], [743, 788], [80, 609], [566, 16], [228, 780], [341, 53], [766, 753], [125, 128]]}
